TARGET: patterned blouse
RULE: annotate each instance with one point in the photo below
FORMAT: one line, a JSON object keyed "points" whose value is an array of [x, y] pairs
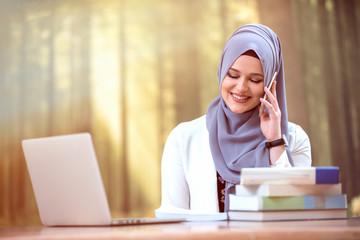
{"points": [[221, 192]]}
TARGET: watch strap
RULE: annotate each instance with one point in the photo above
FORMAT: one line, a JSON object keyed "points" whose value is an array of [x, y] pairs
{"points": [[278, 142]]}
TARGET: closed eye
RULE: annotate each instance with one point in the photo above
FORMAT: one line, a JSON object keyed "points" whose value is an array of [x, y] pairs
{"points": [[256, 80], [232, 75]]}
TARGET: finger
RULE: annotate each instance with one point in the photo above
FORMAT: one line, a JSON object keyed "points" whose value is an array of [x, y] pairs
{"points": [[273, 112], [269, 95], [263, 114], [272, 98]]}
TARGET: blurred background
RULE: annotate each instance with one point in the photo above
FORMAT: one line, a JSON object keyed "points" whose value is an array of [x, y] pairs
{"points": [[128, 71]]}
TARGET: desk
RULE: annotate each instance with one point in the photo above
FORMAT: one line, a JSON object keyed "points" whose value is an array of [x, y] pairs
{"points": [[322, 229]]}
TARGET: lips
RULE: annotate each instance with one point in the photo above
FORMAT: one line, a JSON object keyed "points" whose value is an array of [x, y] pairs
{"points": [[240, 98]]}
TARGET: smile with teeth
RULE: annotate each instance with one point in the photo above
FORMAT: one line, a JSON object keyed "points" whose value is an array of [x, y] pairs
{"points": [[238, 97]]}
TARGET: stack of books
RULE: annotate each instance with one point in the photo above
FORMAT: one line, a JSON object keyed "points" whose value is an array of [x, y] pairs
{"points": [[299, 193]]}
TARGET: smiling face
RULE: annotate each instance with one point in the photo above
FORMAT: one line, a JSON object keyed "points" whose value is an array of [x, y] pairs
{"points": [[243, 85]]}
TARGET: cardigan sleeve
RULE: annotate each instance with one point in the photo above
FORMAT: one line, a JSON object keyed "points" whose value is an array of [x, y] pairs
{"points": [[299, 145], [174, 188]]}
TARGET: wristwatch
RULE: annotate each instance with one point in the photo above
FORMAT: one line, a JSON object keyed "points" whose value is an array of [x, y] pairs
{"points": [[278, 142]]}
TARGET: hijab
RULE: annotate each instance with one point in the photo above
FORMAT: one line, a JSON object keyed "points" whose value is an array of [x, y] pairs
{"points": [[236, 140]]}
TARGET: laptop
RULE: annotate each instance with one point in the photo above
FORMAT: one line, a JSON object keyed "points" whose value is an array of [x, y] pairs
{"points": [[67, 183]]}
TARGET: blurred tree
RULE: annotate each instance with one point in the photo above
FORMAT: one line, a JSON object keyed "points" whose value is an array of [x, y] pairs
{"points": [[328, 40], [185, 57]]}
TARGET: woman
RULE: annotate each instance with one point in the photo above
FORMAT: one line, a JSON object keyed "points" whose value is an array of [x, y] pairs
{"points": [[203, 158]]}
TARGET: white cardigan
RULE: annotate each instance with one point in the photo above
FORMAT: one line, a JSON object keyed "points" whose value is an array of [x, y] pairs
{"points": [[188, 173]]}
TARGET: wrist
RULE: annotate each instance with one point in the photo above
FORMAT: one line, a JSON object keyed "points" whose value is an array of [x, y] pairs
{"points": [[282, 141], [272, 137], [275, 154]]}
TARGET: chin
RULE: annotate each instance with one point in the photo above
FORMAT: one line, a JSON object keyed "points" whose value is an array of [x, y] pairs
{"points": [[241, 110], [238, 111]]}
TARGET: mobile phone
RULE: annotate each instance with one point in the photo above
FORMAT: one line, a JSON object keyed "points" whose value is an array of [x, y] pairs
{"points": [[269, 87]]}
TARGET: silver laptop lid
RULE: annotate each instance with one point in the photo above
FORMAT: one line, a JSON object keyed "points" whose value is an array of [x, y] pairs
{"points": [[66, 180]]}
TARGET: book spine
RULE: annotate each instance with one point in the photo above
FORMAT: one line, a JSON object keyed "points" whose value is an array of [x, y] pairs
{"points": [[279, 190], [327, 175], [311, 175], [287, 215], [287, 203]]}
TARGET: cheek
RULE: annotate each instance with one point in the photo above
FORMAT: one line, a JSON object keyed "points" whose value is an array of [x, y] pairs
{"points": [[259, 90], [224, 87]]}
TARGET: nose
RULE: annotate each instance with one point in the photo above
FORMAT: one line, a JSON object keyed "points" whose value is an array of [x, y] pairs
{"points": [[242, 85]]}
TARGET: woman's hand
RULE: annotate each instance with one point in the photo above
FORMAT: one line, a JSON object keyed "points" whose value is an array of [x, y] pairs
{"points": [[270, 124]]}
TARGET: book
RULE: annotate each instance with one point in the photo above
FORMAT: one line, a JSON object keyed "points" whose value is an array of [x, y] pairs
{"points": [[294, 175], [262, 203], [190, 215], [288, 189], [287, 215]]}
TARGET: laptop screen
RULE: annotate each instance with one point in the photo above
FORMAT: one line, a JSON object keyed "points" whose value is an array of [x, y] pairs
{"points": [[66, 180]]}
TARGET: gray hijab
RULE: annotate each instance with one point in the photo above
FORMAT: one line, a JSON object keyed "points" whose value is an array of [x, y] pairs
{"points": [[236, 140]]}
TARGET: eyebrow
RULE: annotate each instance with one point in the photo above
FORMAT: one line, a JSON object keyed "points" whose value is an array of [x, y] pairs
{"points": [[257, 74]]}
